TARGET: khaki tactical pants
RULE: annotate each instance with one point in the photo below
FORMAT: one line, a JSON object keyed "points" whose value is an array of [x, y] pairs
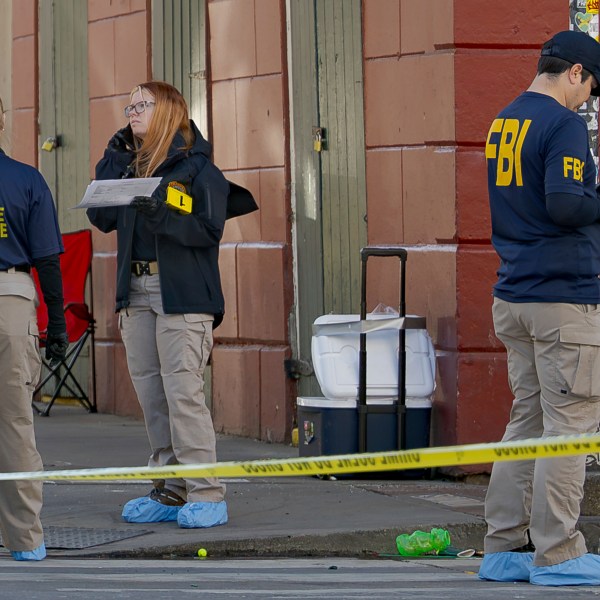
{"points": [[20, 364], [554, 373], [166, 356]]}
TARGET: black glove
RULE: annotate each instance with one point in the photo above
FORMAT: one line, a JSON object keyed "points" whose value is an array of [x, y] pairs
{"points": [[146, 205], [56, 347], [122, 141]]}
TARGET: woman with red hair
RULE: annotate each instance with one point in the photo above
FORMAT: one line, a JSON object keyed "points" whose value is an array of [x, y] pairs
{"points": [[169, 296]]}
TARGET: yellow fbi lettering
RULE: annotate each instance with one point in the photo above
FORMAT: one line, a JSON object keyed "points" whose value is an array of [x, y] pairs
{"points": [[508, 151], [573, 167], [3, 227]]}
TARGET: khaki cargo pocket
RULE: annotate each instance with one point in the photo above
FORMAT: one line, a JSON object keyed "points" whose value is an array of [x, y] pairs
{"points": [[196, 340], [197, 317], [579, 361], [32, 366], [191, 321]]}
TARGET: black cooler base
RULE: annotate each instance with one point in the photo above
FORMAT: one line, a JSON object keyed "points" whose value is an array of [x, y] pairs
{"points": [[327, 427]]}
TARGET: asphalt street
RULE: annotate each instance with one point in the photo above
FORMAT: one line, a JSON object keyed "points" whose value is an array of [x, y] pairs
{"points": [[268, 579]]}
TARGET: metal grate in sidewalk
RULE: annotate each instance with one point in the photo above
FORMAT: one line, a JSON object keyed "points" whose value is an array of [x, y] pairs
{"points": [[75, 538]]}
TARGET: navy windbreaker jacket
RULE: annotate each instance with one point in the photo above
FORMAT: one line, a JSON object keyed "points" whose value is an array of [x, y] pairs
{"points": [[187, 246]]}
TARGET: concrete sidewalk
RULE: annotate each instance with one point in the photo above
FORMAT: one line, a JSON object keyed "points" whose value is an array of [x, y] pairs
{"points": [[291, 516]]}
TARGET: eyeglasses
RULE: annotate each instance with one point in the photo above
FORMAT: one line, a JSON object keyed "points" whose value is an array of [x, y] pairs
{"points": [[138, 107]]}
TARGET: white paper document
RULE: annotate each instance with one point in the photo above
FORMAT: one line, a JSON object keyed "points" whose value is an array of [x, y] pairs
{"points": [[117, 192]]}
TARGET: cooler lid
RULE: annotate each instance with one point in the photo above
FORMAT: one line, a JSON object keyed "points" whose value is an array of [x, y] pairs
{"points": [[335, 360], [321, 402]]}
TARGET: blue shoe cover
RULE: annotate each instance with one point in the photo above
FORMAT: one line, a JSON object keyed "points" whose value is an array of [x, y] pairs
{"points": [[506, 566], [202, 514], [146, 510], [38, 554], [584, 570]]}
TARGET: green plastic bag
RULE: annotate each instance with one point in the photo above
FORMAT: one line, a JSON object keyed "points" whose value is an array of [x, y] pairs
{"points": [[421, 542]]}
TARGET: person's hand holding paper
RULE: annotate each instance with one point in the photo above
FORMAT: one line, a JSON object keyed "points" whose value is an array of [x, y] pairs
{"points": [[117, 192]]}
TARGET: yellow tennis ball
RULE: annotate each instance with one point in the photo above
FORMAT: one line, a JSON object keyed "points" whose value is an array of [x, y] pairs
{"points": [[202, 552]]}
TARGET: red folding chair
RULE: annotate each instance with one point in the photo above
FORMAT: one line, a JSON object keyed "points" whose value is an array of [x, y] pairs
{"points": [[75, 266]]}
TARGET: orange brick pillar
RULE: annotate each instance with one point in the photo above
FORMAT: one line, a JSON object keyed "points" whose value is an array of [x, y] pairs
{"points": [[432, 87], [494, 61]]}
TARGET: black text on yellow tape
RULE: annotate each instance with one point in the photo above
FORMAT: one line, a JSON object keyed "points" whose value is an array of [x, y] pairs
{"points": [[444, 456]]}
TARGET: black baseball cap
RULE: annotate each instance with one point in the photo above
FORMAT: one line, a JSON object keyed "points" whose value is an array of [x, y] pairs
{"points": [[577, 48]]}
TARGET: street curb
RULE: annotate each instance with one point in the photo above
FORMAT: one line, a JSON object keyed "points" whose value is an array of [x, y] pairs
{"points": [[357, 544]]}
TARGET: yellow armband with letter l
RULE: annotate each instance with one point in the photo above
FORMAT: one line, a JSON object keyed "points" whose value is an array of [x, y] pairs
{"points": [[177, 199]]}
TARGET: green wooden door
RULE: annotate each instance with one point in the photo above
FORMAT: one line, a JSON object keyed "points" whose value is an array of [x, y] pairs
{"points": [[64, 116], [179, 52], [343, 196], [179, 58], [330, 196], [64, 105]]}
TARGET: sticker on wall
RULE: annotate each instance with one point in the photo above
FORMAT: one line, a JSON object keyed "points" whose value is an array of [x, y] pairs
{"points": [[584, 16], [309, 432], [582, 21]]}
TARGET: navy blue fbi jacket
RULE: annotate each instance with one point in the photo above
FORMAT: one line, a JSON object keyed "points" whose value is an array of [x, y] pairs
{"points": [[536, 147], [28, 222]]}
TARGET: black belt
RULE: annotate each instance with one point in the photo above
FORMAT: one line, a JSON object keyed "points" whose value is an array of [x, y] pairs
{"points": [[17, 269], [144, 267]]}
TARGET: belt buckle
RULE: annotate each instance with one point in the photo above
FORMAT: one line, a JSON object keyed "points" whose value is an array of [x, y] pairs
{"points": [[141, 268]]}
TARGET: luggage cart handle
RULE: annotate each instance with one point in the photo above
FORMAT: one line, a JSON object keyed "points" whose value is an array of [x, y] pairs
{"points": [[367, 251], [401, 253]]}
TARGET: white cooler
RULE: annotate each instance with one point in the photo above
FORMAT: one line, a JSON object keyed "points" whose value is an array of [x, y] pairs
{"points": [[335, 360], [329, 425]]}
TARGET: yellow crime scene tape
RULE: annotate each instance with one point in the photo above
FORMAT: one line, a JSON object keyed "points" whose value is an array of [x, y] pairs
{"points": [[444, 456]]}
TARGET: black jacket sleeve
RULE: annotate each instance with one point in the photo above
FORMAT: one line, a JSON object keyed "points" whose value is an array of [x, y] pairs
{"points": [[571, 210], [114, 164], [105, 219], [48, 269]]}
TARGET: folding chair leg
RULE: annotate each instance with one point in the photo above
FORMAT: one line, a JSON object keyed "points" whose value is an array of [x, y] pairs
{"points": [[76, 269], [94, 404], [67, 363], [81, 398], [52, 372]]}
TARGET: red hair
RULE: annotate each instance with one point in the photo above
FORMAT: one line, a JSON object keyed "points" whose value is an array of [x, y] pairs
{"points": [[170, 116]]}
